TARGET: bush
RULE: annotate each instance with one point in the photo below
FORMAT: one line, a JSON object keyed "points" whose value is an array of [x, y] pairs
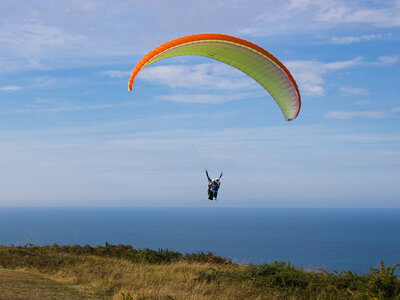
{"points": [[160, 256], [384, 283]]}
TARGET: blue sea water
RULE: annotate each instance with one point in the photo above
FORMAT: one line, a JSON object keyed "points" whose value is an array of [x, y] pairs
{"points": [[334, 239]]}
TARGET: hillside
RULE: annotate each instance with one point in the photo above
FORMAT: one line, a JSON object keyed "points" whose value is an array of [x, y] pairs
{"points": [[122, 272]]}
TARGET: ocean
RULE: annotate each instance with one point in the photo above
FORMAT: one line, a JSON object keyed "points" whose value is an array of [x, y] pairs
{"points": [[333, 239]]}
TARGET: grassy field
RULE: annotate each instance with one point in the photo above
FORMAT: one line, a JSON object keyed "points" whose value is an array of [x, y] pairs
{"points": [[121, 272], [21, 284]]}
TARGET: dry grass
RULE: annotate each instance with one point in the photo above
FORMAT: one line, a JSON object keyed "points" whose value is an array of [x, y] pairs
{"points": [[20, 284], [111, 277], [173, 276], [108, 278]]}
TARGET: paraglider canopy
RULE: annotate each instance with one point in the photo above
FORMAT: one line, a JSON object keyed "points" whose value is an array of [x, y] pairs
{"points": [[243, 55]]}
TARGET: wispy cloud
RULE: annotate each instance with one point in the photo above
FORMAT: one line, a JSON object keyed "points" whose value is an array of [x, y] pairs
{"points": [[10, 88], [290, 16], [338, 65], [358, 39], [207, 76], [369, 114], [338, 12], [75, 108], [216, 76], [373, 137], [53, 107], [387, 60], [29, 39], [37, 31], [310, 73], [116, 74], [353, 91], [207, 98]]}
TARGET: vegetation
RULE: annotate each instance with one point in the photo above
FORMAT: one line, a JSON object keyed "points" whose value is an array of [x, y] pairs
{"points": [[122, 272]]}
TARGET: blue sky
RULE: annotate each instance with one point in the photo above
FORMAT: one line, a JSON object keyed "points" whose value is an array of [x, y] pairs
{"points": [[72, 135]]}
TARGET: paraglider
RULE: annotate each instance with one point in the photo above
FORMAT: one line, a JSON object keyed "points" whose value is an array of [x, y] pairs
{"points": [[243, 55], [213, 186]]}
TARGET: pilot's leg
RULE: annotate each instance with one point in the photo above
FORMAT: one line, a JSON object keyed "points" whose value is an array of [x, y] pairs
{"points": [[215, 195]]}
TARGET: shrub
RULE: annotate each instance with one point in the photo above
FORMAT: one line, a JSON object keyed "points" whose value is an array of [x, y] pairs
{"points": [[384, 283]]}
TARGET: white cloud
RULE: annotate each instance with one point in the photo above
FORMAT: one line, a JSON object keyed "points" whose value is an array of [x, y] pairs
{"points": [[337, 12], [208, 76], [29, 39], [309, 73], [87, 5], [369, 114], [338, 65], [53, 107], [116, 74], [357, 39], [305, 15], [10, 88], [75, 108], [38, 31], [373, 137], [353, 91], [207, 98], [54, 167], [387, 60]]}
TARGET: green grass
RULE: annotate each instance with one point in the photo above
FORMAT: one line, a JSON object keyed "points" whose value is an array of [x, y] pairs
{"points": [[122, 272]]}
